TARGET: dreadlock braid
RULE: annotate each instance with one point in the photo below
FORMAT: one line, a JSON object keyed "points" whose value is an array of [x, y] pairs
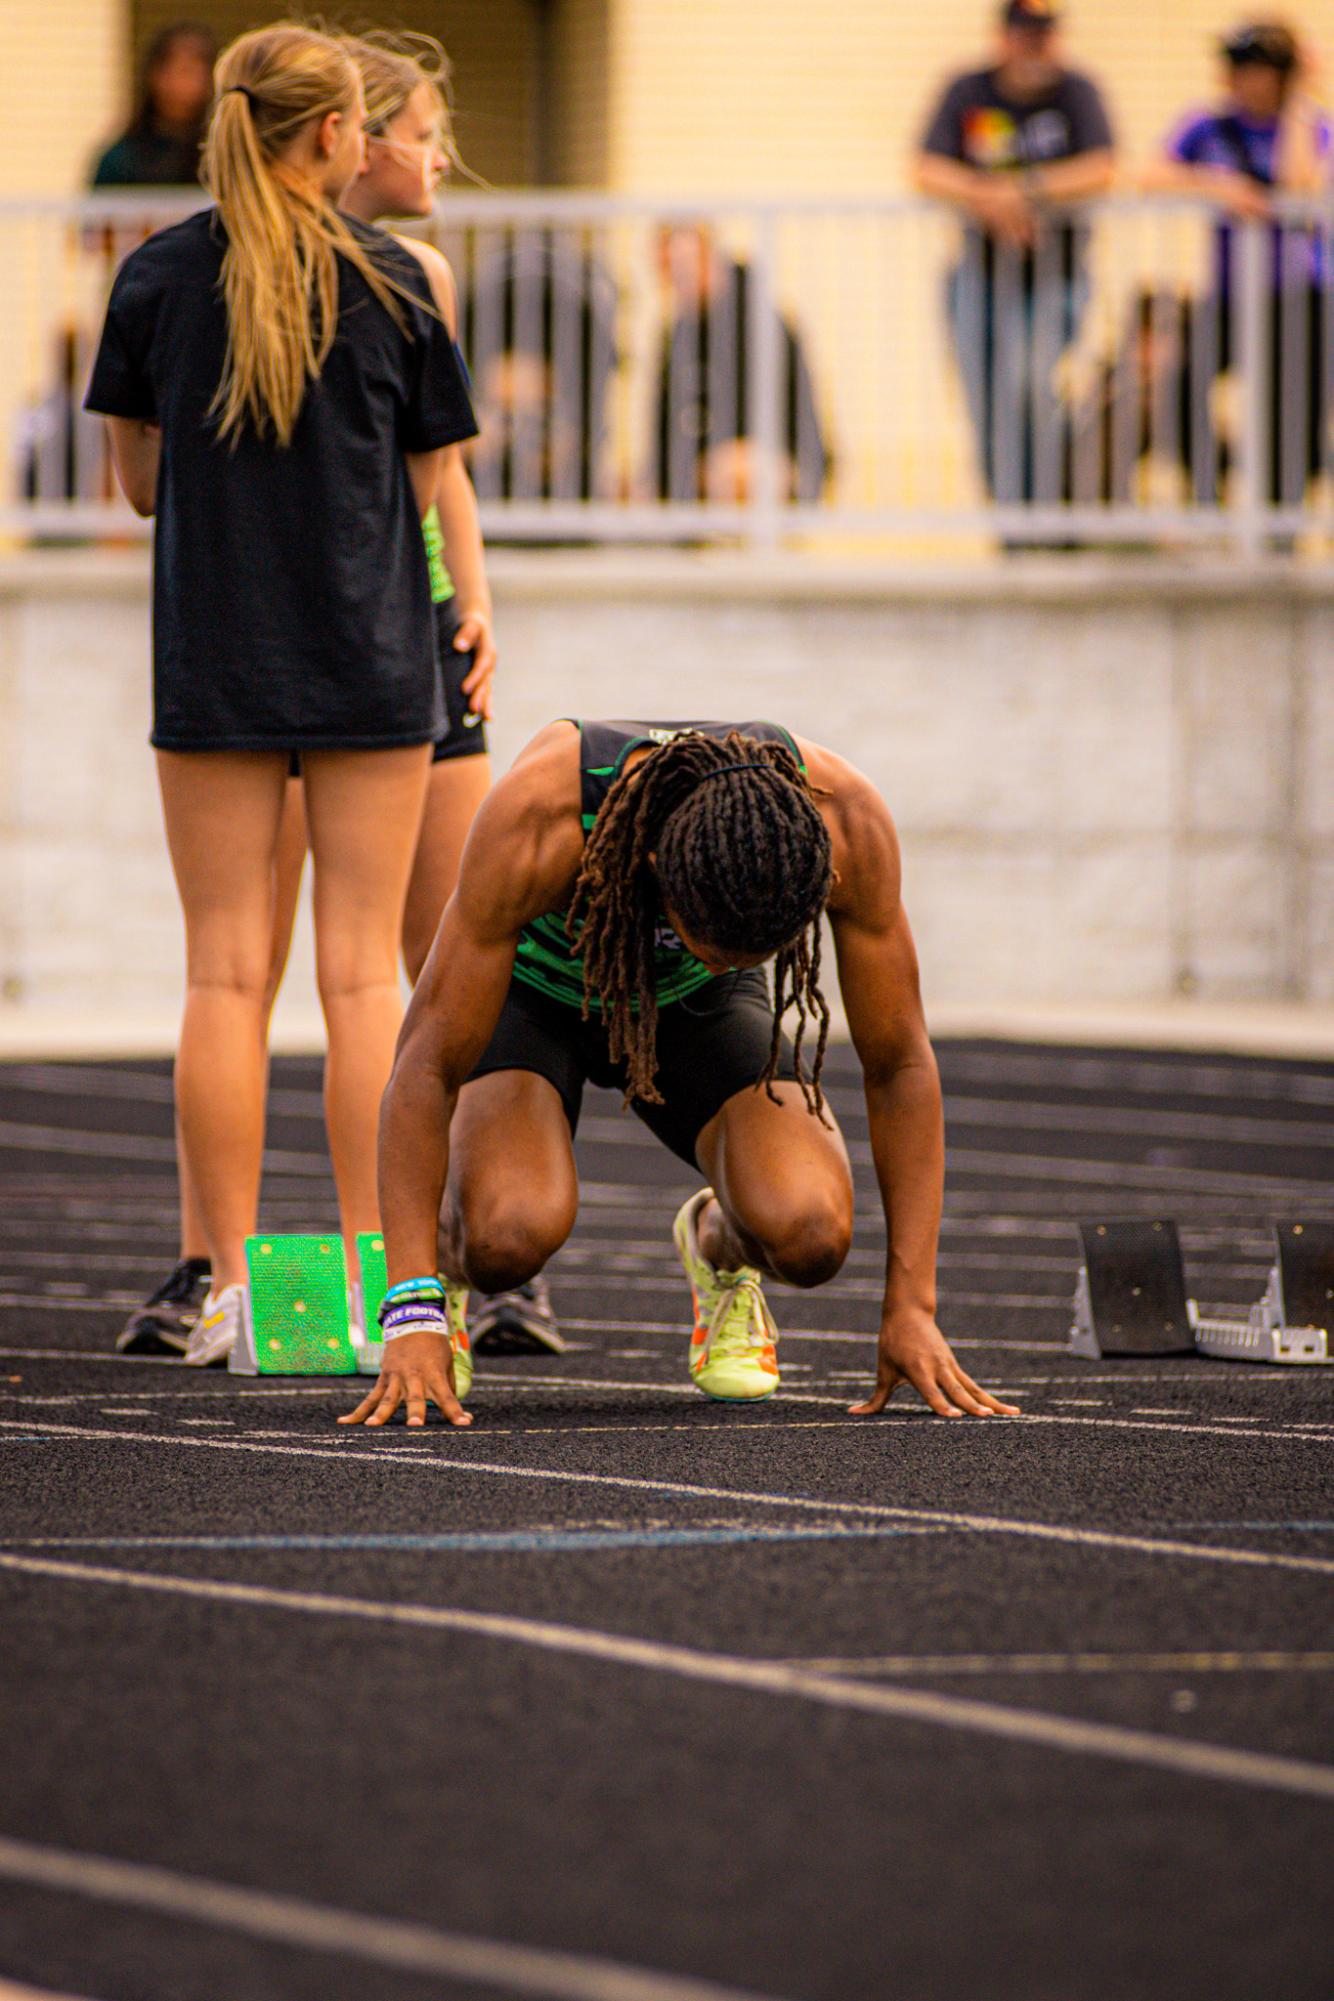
{"points": [[742, 856]]}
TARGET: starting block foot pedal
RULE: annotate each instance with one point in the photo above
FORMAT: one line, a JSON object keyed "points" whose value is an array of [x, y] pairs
{"points": [[1130, 1298], [1292, 1321], [297, 1319], [374, 1285]]}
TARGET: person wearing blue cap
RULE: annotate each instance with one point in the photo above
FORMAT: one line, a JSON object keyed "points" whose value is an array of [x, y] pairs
{"points": [[1266, 139], [1005, 145]]}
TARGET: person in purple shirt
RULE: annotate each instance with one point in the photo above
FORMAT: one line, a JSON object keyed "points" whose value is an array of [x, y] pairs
{"points": [[1265, 140]]}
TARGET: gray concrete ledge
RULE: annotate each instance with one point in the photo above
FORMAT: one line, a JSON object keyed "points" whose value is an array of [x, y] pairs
{"points": [[800, 576], [1279, 1031]]}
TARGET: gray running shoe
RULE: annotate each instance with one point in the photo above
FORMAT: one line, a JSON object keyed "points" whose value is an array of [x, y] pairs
{"points": [[515, 1323], [164, 1323], [217, 1329]]}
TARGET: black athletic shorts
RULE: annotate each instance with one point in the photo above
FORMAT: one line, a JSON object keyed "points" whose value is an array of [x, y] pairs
{"points": [[711, 1044], [465, 734]]}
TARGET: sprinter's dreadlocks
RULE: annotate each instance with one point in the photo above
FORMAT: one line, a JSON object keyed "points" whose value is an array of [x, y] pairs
{"points": [[742, 856]]}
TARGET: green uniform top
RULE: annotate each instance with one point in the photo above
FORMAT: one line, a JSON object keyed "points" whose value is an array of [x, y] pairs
{"points": [[546, 958], [442, 584]]}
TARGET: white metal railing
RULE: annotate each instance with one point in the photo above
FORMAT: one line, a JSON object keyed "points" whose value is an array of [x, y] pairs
{"points": [[663, 371]]}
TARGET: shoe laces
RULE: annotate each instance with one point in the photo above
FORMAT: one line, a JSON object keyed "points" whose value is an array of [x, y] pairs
{"points": [[180, 1286], [741, 1318]]}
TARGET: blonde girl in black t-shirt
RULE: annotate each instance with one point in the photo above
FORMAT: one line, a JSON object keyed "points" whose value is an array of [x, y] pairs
{"points": [[281, 389]]}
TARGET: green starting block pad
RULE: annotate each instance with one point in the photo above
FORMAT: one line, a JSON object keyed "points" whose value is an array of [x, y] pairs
{"points": [[297, 1319], [374, 1286]]}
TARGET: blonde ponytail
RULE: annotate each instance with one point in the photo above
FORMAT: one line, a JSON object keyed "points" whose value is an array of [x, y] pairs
{"points": [[280, 269]]}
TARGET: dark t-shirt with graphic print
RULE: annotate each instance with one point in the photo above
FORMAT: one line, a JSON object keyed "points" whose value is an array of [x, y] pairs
{"points": [[981, 125]]}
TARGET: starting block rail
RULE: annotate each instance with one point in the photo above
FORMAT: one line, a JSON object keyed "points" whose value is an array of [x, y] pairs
{"points": [[1131, 1298]]}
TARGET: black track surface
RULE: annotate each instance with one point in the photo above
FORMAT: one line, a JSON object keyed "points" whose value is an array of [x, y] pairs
{"points": [[647, 1813]]}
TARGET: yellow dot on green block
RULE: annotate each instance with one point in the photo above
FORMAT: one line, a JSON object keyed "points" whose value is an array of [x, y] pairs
{"points": [[299, 1306], [266, 1250], [275, 1345]]}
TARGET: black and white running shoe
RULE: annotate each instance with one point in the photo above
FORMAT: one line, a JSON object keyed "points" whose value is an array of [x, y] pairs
{"points": [[515, 1323], [164, 1323]]}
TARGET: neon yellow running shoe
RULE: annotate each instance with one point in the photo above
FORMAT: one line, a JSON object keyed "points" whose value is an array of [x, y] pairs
{"points": [[456, 1309], [732, 1349]]}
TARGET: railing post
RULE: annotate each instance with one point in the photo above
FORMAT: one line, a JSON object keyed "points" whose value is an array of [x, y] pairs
{"points": [[764, 335], [1252, 361]]}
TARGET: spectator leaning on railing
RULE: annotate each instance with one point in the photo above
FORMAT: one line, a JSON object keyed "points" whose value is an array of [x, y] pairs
{"points": [[1003, 144], [1266, 138], [162, 145]]}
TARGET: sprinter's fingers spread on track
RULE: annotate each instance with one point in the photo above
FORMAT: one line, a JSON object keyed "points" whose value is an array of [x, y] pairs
{"points": [[364, 1408], [443, 1392], [888, 1380], [380, 1405], [983, 1402]]}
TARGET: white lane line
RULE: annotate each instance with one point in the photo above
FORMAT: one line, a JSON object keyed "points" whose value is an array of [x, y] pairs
{"points": [[387, 1456], [1086, 1663], [1182, 1428], [1182, 1756], [486, 1387], [404, 1946]]}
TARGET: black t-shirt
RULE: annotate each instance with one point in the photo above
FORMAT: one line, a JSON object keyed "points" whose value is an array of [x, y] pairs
{"points": [[978, 124], [291, 600]]}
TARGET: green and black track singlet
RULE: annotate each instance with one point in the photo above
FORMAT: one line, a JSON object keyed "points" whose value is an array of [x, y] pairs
{"points": [[545, 958]]}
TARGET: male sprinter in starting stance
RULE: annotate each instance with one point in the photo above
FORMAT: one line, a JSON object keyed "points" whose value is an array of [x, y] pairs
{"points": [[621, 890]]}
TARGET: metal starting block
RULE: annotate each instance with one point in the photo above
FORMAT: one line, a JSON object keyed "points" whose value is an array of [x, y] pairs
{"points": [[296, 1322], [1293, 1318], [374, 1286], [1131, 1298]]}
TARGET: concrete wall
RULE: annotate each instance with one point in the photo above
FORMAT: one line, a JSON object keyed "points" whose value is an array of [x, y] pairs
{"points": [[1111, 784]]}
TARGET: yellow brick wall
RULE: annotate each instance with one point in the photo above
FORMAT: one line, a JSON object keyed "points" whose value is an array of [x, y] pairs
{"points": [[61, 72], [761, 96]]}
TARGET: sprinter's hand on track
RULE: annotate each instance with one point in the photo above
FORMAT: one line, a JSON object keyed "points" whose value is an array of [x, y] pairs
{"points": [[474, 636], [417, 1367], [913, 1350]]}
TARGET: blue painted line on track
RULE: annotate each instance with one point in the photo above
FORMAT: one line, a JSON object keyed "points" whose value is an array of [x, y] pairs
{"points": [[526, 1541]]}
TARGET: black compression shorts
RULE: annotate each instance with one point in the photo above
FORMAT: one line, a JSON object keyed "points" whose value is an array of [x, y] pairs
{"points": [[711, 1044]]}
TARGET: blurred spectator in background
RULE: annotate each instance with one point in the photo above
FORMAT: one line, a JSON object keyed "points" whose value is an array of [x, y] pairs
{"points": [[538, 326], [162, 144], [1002, 145], [704, 446], [1135, 430], [1265, 139]]}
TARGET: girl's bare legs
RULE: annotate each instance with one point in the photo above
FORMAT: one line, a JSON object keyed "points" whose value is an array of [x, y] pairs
{"points": [[289, 862], [223, 810], [455, 790], [363, 810]]}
